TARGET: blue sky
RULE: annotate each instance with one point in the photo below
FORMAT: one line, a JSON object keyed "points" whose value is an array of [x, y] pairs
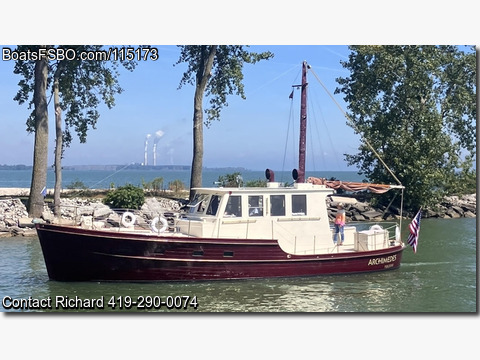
{"points": [[252, 133]]}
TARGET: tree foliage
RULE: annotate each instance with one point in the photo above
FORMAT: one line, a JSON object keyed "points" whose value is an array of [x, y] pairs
{"points": [[176, 186], [216, 72], [83, 85], [230, 180], [78, 87], [416, 106], [235, 180], [225, 76], [125, 197], [155, 185]]}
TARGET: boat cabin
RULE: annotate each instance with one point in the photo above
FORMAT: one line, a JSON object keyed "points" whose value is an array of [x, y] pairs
{"points": [[295, 216]]}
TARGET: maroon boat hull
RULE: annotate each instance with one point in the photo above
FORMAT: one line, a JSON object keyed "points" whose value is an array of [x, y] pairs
{"points": [[73, 254]]}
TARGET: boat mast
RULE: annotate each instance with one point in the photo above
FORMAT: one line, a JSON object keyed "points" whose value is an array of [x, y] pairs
{"points": [[303, 126]]}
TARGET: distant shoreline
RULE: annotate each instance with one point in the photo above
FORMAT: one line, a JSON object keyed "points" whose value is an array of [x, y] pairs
{"points": [[125, 167], [106, 179], [228, 169]]}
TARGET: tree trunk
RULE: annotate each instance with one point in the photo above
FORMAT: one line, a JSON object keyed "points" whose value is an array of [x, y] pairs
{"points": [[58, 147], [197, 161], [40, 151], [203, 74]]}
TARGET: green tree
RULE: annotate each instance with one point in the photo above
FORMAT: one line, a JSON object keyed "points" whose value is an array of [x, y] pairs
{"points": [[155, 185], [230, 180], [125, 197], [215, 71], [235, 180], [78, 87], [176, 186], [416, 106]]}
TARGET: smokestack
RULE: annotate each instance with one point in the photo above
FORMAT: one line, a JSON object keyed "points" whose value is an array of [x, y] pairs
{"points": [[158, 135], [154, 154], [145, 162]]}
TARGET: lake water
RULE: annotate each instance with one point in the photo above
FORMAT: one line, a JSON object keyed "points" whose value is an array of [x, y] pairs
{"points": [[101, 179], [440, 277], [278, 318]]}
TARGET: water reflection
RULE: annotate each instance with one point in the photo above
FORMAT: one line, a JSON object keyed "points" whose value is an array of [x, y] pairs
{"points": [[441, 277]]}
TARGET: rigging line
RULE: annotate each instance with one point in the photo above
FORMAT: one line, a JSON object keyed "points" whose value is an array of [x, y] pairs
{"points": [[356, 129], [286, 140], [98, 182], [278, 77], [266, 84], [331, 145]]}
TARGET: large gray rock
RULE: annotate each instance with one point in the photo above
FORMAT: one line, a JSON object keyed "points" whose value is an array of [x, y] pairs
{"points": [[48, 216], [101, 211], [152, 207], [25, 222], [372, 214]]}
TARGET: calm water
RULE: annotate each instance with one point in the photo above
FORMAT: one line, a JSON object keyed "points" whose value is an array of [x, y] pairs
{"points": [[441, 277], [101, 179]]}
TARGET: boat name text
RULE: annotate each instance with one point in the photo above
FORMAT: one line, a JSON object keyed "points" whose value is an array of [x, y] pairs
{"points": [[383, 260]]}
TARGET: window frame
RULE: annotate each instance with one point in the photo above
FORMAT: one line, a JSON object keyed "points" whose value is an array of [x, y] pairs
{"points": [[260, 207], [274, 206], [295, 211]]}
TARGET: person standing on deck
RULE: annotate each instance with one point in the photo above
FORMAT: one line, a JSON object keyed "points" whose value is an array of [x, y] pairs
{"points": [[339, 224]]}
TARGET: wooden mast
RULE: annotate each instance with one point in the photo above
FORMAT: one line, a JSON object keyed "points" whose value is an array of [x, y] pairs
{"points": [[303, 126]]}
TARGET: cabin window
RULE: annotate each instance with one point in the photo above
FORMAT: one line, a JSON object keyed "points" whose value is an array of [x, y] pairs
{"points": [[213, 205], [234, 206], [197, 205], [255, 205], [277, 205], [299, 205]]}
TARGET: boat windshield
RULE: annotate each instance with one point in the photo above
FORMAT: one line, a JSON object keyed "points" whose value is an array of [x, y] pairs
{"points": [[198, 203], [213, 205]]}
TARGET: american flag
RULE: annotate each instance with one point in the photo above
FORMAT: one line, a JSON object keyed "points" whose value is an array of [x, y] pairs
{"points": [[414, 231]]}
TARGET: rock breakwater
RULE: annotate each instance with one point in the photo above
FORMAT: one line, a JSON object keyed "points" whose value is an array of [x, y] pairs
{"points": [[450, 207], [14, 220]]}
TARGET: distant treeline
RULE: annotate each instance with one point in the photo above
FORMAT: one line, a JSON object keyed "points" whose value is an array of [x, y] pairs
{"points": [[16, 167], [123, 167]]}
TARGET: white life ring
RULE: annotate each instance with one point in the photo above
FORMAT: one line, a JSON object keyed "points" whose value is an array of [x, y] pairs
{"points": [[376, 228], [128, 219], [153, 225]]}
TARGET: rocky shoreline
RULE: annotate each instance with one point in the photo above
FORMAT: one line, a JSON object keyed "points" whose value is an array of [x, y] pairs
{"points": [[14, 220], [450, 208]]}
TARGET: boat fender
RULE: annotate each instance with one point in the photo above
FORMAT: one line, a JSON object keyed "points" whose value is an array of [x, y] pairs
{"points": [[376, 228], [153, 225], [128, 219], [397, 233]]}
